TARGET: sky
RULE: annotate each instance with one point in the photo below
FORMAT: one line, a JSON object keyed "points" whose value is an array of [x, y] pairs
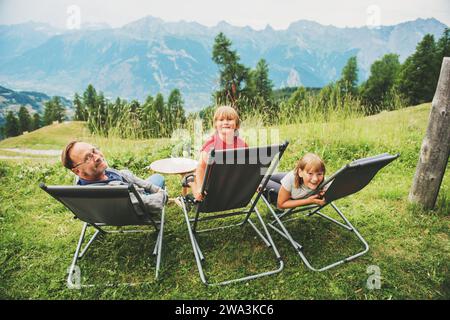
{"points": [[254, 13]]}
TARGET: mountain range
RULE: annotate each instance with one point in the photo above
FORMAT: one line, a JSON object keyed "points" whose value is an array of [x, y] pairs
{"points": [[150, 55]]}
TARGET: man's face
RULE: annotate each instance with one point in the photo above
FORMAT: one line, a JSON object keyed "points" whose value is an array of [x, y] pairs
{"points": [[89, 162]]}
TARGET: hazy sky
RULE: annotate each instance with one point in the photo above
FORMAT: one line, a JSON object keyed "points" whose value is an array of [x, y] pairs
{"points": [[255, 13]]}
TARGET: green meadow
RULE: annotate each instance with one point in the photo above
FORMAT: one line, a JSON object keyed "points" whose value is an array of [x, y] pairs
{"points": [[411, 247]]}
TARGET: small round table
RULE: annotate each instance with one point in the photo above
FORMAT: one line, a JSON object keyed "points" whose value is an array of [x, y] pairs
{"points": [[174, 166]]}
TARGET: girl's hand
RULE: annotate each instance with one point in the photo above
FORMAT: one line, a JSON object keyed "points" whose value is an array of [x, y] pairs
{"points": [[315, 199]]}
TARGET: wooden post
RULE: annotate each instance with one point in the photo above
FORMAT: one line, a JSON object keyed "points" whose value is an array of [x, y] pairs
{"points": [[434, 153]]}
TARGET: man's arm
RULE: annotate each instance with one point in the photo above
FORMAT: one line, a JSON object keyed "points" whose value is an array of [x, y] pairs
{"points": [[147, 185]]}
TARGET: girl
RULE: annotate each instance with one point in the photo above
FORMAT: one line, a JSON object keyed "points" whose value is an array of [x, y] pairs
{"points": [[226, 122], [295, 185]]}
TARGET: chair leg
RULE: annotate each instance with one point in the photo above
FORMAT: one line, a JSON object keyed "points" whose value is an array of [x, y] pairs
{"points": [[89, 243], [348, 226], [194, 243], [77, 255], [199, 256], [159, 243], [70, 282]]}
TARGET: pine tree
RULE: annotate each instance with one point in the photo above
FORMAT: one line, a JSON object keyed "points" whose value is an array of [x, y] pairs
{"points": [[233, 75], [36, 122], [90, 105], [443, 45], [80, 110], [442, 50], [418, 74], [48, 112], [175, 105], [11, 125], [159, 115], [148, 117], [376, 91], [59, 110], [54, 111], [349, 77], [24, 120], [90, 99], [263, 85], [101, 113]]}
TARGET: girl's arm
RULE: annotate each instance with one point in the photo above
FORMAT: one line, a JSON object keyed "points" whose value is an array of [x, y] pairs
{"points": [[196, 186], [284, 200]]}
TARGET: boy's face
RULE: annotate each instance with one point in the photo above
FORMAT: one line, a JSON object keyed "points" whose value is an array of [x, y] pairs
{"points": [[311, 176], [225, 126]]}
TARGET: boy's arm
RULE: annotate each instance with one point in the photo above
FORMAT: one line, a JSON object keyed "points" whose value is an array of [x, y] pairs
{"points": [[199, 176]]}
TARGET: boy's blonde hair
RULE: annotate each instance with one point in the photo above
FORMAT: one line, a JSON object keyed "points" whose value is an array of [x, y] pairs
{"points": [[309, 159], [226, 112]]}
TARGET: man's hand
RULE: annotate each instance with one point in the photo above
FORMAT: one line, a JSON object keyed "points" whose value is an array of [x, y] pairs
{"points": [[166, 195]]}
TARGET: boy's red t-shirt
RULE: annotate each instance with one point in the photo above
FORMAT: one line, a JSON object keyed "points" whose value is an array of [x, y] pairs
{"points": [[218, 144]]}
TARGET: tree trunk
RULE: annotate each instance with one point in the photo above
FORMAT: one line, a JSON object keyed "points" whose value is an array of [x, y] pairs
{"points": [[435, 149]]}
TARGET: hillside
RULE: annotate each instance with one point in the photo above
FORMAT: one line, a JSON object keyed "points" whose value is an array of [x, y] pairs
{"points": [[410, 247], [54, 137], [11, 100]]}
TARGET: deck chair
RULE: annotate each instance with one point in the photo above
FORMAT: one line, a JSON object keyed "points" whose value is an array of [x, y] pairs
{"points": [[348, 180], [231, 180], [100, 207]]}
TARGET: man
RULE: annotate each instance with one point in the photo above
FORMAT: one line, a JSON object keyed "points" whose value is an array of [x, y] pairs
{"points": [[89, 164]]}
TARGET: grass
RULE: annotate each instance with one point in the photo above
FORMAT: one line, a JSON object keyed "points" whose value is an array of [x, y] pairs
{"points": [[411, 247]]}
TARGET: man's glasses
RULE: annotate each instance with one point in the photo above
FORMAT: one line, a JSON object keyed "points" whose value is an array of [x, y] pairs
{"points": [[89, 157]]}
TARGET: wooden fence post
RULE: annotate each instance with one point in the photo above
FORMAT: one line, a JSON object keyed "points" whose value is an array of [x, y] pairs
{"points": [[434, 153]]}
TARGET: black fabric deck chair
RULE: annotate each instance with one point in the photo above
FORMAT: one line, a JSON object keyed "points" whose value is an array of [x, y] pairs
{"points": [[107, 206], [231, 180], [348, 180]]}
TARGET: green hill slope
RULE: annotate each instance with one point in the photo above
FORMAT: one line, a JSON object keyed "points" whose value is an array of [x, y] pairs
{"points": [[410, 247]]}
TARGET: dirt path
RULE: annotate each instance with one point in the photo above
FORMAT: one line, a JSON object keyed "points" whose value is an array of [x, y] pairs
{"points": [[34, 151], [29, 153]]}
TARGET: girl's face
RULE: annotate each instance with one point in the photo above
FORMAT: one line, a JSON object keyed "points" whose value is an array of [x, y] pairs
{"points": [[311, 176], [225, 126]]}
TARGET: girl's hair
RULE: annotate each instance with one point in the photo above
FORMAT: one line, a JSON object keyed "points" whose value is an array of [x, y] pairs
{"points": [[226, 112], [311, 160]]}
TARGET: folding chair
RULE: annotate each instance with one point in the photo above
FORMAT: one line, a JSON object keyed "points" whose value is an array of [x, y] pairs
{"points": [[231, 180], [346, 181], [106, 206]]}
